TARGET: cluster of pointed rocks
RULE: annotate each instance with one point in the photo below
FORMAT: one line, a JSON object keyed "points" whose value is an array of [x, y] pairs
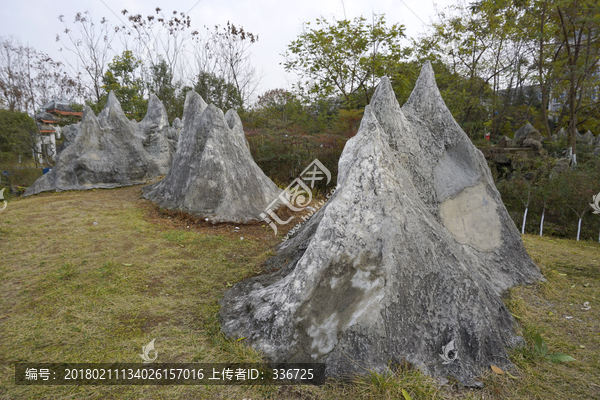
{"points": [[205, 157], [529, 137], [109, 150], [213, 174], [411, 253]]}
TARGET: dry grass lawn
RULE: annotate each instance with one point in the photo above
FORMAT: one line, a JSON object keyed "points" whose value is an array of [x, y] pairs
{"points": [[75, 291]]}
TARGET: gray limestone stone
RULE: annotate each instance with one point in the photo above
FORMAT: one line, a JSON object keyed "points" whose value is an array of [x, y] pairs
{"points": [[68, 133], [411, 253], [158, 138], [534, 135], [213, 174], [522, 132], [505, 141], [588, 138], [535, 145], [109, 150]]}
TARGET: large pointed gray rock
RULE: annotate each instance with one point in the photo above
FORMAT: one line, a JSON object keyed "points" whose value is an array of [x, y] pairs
{"points": [[110, 150], [158, 138], [562, 134], [407, 259], [213, 173], [522, 132], [597, 146], [588, 138]]}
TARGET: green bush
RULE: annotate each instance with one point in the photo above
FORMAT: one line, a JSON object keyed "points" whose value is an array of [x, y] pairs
{"points": [[19, 175], [564, 197], [283, 155], [15, 134]]}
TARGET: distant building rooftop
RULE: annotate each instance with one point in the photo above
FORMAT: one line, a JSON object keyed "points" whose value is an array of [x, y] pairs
{"points": [[45, 117], [61, 107]]}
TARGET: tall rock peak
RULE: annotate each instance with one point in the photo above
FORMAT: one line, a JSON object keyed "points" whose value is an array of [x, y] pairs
{"points": [[112, 110], [213, 174], [110, 150], [193, 108], [156, 114], [383, 273]]}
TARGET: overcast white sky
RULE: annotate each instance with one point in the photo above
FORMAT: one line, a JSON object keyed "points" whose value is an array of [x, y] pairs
{"points": [[276, 22]]}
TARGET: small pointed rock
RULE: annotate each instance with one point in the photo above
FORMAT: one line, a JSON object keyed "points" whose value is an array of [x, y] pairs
{"points": [[213, 173], [110, 150], [157, 136], [588, 138], [522, 132]]}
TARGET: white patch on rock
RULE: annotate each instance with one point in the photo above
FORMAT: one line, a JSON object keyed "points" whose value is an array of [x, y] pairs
{"points": [[324, 336], [472, 218]]}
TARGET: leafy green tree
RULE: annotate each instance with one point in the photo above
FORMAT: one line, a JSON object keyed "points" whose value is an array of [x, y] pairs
{"points": [[479, 47], [539, 30], [279, 108], [505, 48], [579, 22], [561, 49], [348, 122], [218, 91], [15, 133], [275, 103], [162, 84], [122, 78], [344, 58]]}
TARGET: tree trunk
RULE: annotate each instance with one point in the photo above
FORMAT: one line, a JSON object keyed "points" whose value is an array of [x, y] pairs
{"points": [[543, 83], [573, 131], [544, 111], [542, 222], [572, 55], [578, 229], [524, 220]]}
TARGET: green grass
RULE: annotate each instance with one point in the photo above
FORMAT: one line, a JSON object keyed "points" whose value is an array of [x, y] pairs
{"points": [[72, 291], [21, 176]]}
